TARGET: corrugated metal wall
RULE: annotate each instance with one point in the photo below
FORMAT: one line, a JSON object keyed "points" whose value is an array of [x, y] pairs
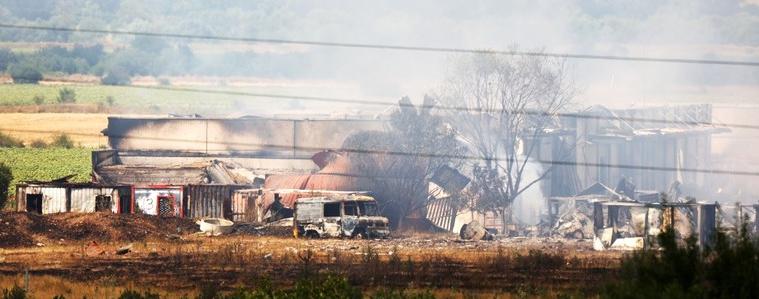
{"points": [[210, 200], [59, 199], [442, 213], [246, 207], [83, 199], [53, 198]]}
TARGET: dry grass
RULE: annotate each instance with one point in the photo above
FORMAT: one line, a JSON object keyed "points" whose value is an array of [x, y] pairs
{"points": [[529, 266], [81, 123]]}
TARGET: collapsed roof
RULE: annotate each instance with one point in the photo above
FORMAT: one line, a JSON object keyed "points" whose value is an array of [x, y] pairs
{"points": [[209, 172]]}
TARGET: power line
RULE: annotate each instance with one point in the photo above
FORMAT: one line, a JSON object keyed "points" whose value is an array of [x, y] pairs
{"points": [[440, 107], [449, 108], [386, 46], [400, 153]]}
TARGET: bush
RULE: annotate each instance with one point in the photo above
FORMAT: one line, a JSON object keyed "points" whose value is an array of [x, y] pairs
{"points": [[110, 101], [38, 143], [66, 95], [311, 287], [24, 73], [6, 177], [729, 269], [9, 141], [63, 141], [7, 57], [38, 99]]}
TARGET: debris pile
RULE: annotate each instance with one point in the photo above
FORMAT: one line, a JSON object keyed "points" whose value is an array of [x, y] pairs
{"points": [[474, 231], [20, 229], [573, 225]]}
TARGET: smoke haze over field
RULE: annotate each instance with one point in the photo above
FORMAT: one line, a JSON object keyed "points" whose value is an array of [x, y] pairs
{"points": [[701, 29], [698, 29]]}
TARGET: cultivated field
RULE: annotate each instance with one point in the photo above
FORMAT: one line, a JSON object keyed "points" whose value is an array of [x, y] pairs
{"points": [[180, 262], [218, 96], [83, 128], [46, 164]]}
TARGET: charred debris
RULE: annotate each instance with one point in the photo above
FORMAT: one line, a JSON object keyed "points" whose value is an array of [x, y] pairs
{"points": [[256, 170]]}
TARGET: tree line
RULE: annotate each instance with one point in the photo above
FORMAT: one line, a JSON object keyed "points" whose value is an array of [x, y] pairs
{"points": [[144, 56]]}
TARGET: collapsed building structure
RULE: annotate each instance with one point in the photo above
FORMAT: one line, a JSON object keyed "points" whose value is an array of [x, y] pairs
{"points": [[220, 167]]}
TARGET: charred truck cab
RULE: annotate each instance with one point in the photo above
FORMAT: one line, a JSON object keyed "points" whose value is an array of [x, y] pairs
{"points": [[354, 216]]}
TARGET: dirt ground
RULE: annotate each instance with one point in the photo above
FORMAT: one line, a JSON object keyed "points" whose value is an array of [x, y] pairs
{"points": [[184, 262]]}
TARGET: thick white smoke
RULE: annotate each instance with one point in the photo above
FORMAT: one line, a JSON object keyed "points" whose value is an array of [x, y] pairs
{"points": [[530, 205]]}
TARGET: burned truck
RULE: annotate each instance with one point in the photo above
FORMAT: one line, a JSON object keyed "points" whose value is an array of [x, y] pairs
{"points": [[351, 216]]}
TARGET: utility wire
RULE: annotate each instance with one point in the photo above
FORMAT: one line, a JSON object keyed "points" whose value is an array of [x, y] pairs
{"points": [[385, 46], [262, 146], [440, 107]]}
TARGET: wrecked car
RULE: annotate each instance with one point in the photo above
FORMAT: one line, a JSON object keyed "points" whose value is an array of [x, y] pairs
{"points": [[353, 216]]}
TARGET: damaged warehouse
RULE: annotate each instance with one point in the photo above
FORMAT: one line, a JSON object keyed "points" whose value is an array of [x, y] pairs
{"points": [[239, 169]]}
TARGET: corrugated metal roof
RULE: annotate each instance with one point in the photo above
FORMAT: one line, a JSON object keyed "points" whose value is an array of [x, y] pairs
{"points": [[338, 175]]}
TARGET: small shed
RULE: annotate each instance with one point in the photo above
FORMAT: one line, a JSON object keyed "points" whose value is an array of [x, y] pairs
{"points": [[61, 196]]}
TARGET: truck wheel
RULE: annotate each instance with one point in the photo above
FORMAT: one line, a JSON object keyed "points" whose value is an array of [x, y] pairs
{"points": [[359, 234]]}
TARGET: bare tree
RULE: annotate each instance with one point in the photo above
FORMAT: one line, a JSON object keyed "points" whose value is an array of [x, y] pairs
{"points": [[401, 160], [510, 102]]}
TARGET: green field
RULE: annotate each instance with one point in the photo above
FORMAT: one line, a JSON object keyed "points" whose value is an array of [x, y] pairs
{"points": [[150, 100], [144, 100], [46, 164]]}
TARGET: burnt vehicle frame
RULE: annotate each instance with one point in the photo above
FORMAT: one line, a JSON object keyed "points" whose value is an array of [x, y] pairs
{"points": [[339, 216]]}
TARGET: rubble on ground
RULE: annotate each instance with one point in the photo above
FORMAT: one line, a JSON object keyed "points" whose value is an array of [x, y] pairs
{"points": [[573, 225], [21, 229], [474, 231]]}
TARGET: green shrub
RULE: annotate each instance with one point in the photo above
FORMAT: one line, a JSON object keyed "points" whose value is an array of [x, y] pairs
{"points": [[6, 177], [9, 141], [728, 269], [24, 73], [38, 99], [7, 57], [110, 101], [66, 95], [63, 141], [311, 287], [38, 143]]}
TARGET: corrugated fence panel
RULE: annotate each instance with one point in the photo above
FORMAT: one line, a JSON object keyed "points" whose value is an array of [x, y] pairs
{"points": [[210, 200], [83, 200], [53, 199], [441, 212], [244, 206]]}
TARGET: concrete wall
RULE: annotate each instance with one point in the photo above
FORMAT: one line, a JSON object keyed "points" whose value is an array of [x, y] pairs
{"points": [[258, 136]]}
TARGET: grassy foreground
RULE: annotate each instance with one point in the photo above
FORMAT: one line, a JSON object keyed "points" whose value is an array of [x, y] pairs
{"points": [[46, 164]]}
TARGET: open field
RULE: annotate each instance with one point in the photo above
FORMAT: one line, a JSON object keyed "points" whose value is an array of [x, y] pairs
{"points": [[83, 128], [429, 262], [146, 95]]}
